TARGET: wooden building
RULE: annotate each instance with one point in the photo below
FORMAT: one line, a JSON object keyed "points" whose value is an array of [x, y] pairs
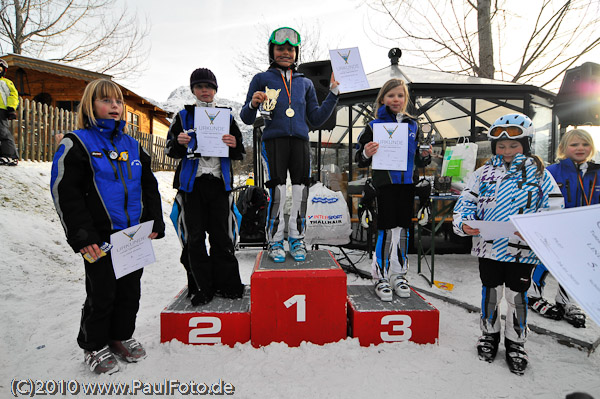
{"points": [[62, 86]]}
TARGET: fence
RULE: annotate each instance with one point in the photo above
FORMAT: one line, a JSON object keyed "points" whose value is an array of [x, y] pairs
{"points": [[37, 126]]}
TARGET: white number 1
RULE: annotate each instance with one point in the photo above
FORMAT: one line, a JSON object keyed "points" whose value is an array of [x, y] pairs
{"points": [[301, 309]]}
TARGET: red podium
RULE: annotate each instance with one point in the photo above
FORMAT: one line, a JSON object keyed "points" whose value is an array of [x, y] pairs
{"points": [[221, 321], [373, 321], [298, 301]]}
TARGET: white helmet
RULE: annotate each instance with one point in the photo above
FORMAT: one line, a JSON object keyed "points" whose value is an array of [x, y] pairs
{"points": [[512, 127]]}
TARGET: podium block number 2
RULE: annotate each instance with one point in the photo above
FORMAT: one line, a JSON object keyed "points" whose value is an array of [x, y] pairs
{"points": [[195, 336], [300, 301], [403, 327]]}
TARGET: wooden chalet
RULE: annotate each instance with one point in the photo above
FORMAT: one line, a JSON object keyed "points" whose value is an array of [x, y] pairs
{"points": [[62, 86]]}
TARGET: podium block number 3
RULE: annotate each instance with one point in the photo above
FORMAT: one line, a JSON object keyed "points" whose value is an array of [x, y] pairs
{"points": [[299, 300], [214, 327], [403, 327]]}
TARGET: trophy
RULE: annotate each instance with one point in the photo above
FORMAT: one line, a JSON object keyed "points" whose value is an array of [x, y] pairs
{"points": [[426, 137], [266, 107]]}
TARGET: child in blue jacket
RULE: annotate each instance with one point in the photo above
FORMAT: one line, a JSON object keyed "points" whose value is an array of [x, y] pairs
{"points": [[577, 177], [205, 185], [101, 183], [395, 192], [285, 143]]}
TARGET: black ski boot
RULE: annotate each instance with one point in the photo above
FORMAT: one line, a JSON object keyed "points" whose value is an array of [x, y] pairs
{"points": [[573, 314], [516, 357], [487, 346], [546, 309]]}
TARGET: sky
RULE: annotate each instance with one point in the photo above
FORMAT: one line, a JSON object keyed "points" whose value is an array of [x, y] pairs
{"points": [[188, 34]]}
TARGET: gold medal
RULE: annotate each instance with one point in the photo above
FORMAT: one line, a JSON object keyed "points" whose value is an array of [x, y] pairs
{"points": [[289, 112]]}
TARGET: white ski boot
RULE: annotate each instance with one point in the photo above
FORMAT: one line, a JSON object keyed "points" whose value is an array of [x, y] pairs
{"points": [[383, 290], [400, 286]]}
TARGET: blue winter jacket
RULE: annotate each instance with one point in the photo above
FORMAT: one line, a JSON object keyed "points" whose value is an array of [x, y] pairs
{"points": [[565, 173], [304, 103], [383, 177], [186, 173], [101, 182]]}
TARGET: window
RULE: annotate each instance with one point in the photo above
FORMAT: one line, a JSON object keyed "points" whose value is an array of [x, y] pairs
{"points": [[133, 120]]}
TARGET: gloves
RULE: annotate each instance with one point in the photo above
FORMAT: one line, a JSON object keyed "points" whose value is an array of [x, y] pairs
{"points": [[11, 113], [423, 216]]}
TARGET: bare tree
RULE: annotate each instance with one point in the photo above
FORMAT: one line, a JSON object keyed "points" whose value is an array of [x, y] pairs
{"points": [[535, 44], [91, 34]]}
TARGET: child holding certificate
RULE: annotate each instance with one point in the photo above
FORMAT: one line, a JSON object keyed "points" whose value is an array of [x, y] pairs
{"points": [[395, 189], [205, 184], [102, 183], [578, 178], [512, 182], [287, 100]]}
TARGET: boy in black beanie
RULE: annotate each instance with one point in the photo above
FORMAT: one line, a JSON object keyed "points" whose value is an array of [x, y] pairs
{"points": [[205, 183]]}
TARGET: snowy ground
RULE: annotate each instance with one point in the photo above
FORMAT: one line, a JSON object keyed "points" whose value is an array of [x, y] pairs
{"points": [[42, 290]]}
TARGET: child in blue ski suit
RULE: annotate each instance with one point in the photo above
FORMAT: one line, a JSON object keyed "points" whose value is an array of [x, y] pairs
{"points": [[395, 192], [578, 178], [101, 183], [285, 144]]}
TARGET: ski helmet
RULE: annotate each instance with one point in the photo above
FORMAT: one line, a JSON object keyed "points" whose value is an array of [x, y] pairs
{"points": [[4, 66], [512, 127], [281, 36]]}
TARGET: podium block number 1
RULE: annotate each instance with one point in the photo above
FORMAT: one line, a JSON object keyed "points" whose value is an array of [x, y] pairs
{"points": [[299, 300]]}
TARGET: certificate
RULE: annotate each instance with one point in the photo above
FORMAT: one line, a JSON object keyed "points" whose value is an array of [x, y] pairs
{"points": [[132, 249], [492, 230], [393, 146], [210, 125], [568, 243], [348, 69]]}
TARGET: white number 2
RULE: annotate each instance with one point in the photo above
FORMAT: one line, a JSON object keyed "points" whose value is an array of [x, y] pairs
{"points": [[300, 300], [214, 328], [405, 332]]}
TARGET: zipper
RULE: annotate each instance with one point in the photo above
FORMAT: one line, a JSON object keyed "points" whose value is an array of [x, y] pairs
{"points": [[124, 187], [110, 161], [568, 188]]}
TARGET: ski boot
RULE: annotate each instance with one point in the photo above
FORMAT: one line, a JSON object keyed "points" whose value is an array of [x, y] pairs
{"points": [[573, 315], [546, 309], [384, 290], [276, 251], [400, 286], [101, 361], [516, 357], [297, 249], [487, 346]]}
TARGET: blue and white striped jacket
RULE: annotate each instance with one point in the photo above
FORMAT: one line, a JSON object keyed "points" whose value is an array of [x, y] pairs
{"points": [[494, 193]]}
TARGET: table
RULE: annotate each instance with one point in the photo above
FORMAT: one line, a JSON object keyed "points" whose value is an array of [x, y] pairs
{"points": [[439, 213]]}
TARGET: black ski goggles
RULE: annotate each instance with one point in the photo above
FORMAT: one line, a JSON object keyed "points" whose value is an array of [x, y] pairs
{"points": [[513, 132], [282, 35]]}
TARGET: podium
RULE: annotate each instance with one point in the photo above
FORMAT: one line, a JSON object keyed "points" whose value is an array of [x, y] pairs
{"points": [[373, 321], [293, 301], [221, 321]]}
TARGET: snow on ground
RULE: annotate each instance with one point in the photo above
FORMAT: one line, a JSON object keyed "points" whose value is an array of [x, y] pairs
{"points": [[42, 291]]}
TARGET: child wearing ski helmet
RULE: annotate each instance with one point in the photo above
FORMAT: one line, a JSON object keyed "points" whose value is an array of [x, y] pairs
{"points": [[9, 101], [395, 192], [101, 183], [285, 143], [578, 178], [205, 185], [512, 182]]}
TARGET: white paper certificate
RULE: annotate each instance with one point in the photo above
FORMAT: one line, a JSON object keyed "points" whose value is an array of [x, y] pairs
{"points": [[568, 243], [132, 249], [492, 230], [348, 69], [211, 124], [393, 146]]}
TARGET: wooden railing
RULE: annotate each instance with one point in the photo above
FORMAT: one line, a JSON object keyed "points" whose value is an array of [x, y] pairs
{"points": [[37, 126]]}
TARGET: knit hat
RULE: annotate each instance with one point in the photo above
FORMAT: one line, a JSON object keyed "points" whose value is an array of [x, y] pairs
{"points": [[203, 75]]}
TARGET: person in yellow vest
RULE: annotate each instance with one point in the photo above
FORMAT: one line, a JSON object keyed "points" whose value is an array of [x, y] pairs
{"points": [[9, 101], [250, 180]]}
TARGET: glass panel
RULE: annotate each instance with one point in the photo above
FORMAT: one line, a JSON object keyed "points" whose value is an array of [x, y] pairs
{"points": [[542, 121]]}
